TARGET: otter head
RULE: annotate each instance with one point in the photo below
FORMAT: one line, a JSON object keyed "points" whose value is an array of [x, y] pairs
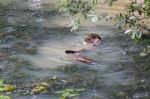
{"points": [[93, 39]]}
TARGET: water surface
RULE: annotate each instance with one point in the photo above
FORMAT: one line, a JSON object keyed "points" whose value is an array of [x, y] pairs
{"points": [[48, 31]]}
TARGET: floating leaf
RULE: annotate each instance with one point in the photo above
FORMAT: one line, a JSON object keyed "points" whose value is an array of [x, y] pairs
{"points": [[7, 87], [62, 98], [66, 94], [143, 54], [4, 97], [79, 90], [1, 82], [60, 91], [44, 84], [69, 90], [1, 89], [38, 89], [73, 95]]}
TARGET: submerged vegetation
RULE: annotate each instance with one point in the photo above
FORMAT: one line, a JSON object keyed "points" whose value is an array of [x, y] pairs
{"points": [[19, 76], [69, 93]]}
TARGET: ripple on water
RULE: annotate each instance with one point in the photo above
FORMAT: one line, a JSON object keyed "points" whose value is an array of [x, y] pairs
{"points": [[51, 54], [121, 77]]}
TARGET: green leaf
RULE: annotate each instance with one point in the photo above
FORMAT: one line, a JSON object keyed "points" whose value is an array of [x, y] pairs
{"points": [[73, 95], [62, 98], [75, 24], [66, 94], [94, 2], [1, 82], [7, 87], [38, 89], [140, 35], [1, 89], [4, 97], [60, 91], [110, 2], [79, 90], [133, 35], [44, 84], [69, 90]]}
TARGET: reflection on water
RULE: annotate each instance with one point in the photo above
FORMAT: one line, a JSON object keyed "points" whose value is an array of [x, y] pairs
{"points": [[34, 4]]}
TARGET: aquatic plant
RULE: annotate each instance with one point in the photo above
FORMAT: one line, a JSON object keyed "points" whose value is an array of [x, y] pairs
{"points": [[74, 68], [4, 97], [38, 87], [69, 92], [145, 51], [24, 47], [6, 87]]}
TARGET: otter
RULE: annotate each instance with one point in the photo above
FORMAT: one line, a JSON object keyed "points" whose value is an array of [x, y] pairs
{"points": [[92, 39], [79, 58], [89, 41]]}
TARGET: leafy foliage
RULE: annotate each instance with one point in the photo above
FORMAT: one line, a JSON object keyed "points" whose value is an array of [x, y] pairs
{"points": [[110, 2], [75, 23], [73, 7], [76, 8], [132, 20]]}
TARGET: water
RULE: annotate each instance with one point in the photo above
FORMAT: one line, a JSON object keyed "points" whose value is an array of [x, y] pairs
{"points": [[54, 39], [51, 53]]}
